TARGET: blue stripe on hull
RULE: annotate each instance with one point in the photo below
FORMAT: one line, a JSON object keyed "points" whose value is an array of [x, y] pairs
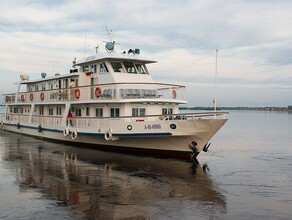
{"points": [[98, 134]]}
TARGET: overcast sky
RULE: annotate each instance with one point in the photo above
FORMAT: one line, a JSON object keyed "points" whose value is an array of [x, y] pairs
{"points": [[254, 39]]}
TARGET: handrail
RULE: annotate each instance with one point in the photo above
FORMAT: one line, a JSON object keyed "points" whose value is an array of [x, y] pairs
{"points": [[117, 91], [195, 114], [100, 84]]}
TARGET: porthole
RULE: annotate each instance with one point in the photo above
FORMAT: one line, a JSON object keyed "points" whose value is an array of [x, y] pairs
{"points": [[129, 127], [173, 126]]}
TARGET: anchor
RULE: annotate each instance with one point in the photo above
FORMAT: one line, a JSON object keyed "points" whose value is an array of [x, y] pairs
{"points": [[206, 147]]}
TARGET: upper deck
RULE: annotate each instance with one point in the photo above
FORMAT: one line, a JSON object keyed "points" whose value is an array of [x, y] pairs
{"points": [[102, 78]]}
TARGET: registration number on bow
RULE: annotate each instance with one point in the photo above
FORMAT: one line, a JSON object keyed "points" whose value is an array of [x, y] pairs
{"points": [[152, 126]]}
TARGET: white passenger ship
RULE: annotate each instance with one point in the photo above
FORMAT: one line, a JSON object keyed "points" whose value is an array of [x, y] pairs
{"points": [[115, 105]]}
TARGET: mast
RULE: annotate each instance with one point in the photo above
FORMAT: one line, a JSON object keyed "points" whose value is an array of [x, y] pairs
{"points": [[215, 95]]}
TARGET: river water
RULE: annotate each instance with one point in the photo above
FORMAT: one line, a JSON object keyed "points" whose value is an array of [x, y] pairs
{"points": [[245, 175]]}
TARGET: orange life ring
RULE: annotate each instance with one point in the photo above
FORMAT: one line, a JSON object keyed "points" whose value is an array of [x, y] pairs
{"points": [[42, 96], [77, 93], [7, 98], [173, 94], [98, 92], [31, 97], [22, 98]]}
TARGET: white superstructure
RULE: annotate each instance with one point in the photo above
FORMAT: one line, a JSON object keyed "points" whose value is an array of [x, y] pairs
{"points": [[115, 105]]}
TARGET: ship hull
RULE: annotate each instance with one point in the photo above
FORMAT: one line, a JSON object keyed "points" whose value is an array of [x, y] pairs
{"points": [[176, 139]]}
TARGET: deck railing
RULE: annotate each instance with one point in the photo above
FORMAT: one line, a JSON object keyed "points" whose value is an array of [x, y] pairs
{"points": [[112, 91], [94, 122]]}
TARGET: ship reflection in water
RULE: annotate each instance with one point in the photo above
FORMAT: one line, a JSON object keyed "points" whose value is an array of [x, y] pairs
{"points": [[102, 185]]}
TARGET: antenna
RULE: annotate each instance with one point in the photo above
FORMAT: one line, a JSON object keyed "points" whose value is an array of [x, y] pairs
{"points": [[53, 61], [109, 34], [85, 39]]}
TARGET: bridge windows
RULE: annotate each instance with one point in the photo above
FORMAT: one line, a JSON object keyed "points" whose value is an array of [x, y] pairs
{"points": [[117, 67], [141, 68], [129, 67], [103, 68]]}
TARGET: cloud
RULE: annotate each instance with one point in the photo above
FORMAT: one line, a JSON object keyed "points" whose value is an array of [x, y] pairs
{"points": [[253, 38]]}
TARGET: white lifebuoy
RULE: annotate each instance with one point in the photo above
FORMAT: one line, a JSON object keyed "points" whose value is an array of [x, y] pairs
{"points": [[66, 132], [74, 135], [108, 135]]}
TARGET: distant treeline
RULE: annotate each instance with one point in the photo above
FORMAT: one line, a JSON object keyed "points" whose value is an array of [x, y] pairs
{"points": [[289, 108]]}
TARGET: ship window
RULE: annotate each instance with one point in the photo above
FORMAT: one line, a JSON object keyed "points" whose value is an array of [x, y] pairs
{"points": [[115, 112], [99, 112], [51, 111], [15, 110], [117, 67], [93, 68], [167, 111], [41, 110], [85, 69], [130, 67], [141, 68], [138, 111], [59, 110], [43, 86], [103, 68], [78, 111], [87, 111]]}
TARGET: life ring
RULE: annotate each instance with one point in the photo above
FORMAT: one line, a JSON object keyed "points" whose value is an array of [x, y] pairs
{"points": [[42, 96], [40, 128], [31, 97], [74, 135], [173, 94], [108, 135], [66, 132], [98, 92], [22, 98], [77, 93], [7, 98]]}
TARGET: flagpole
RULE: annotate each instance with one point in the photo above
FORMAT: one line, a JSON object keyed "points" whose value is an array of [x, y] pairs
{"points": [[215, 97]]}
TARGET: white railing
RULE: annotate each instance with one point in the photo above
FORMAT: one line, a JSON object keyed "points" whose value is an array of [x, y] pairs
{"points": [[93, 122], [111, 91]]}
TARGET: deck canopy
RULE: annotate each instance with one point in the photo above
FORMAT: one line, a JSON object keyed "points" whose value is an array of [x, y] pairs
{"points": [[110, 56], [61, 76]]}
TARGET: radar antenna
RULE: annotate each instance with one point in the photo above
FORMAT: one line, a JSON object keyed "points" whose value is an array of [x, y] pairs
{"points": [[110, 46]]}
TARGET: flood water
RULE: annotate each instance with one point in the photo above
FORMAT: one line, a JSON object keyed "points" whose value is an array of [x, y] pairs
{"points": [[245, 175]]}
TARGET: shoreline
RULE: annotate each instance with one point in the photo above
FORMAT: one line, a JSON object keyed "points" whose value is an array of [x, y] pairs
{"points": [[279, 109]]}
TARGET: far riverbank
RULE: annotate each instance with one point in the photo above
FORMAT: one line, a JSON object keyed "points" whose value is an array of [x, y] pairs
{"points": [[282, 109]]}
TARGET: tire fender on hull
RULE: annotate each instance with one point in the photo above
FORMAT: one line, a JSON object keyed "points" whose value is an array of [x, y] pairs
{"points": [[108, 135], [74, 135], [66, 132]]}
